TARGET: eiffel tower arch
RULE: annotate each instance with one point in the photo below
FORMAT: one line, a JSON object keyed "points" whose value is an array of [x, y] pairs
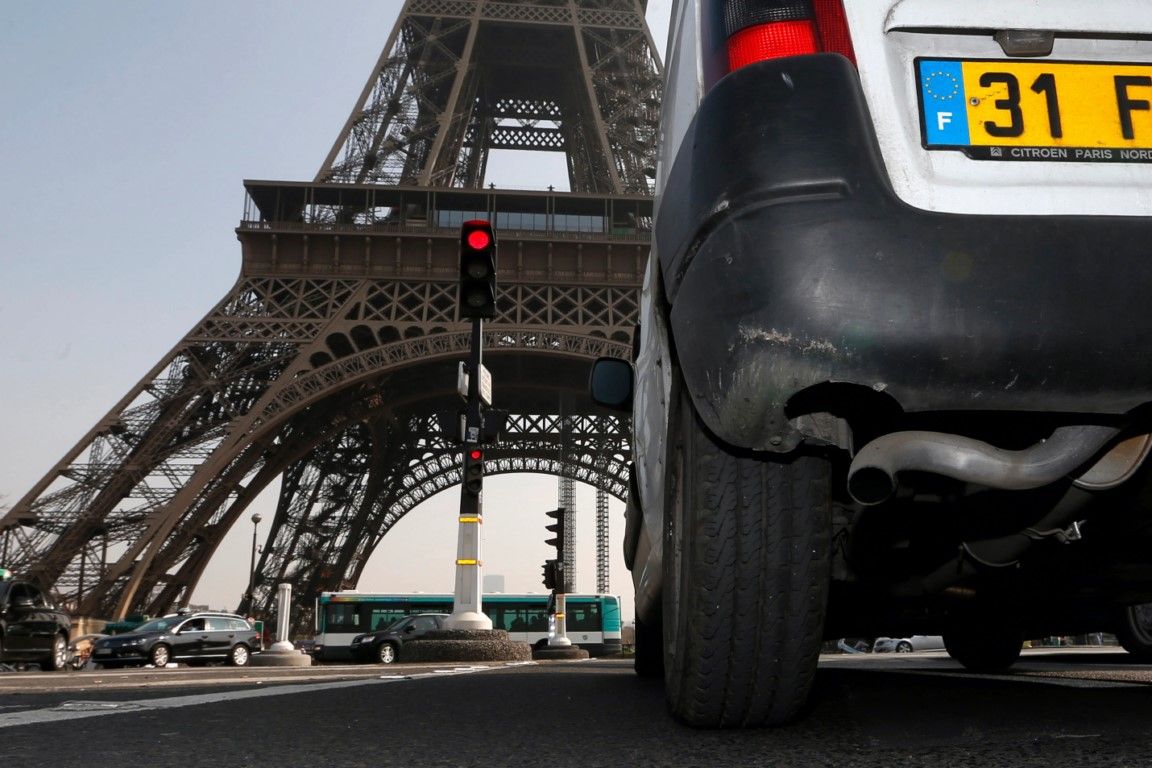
{"points": [[330, 364]]}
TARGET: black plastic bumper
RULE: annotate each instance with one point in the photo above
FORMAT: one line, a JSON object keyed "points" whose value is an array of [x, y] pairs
{"points": [[789, 262]]}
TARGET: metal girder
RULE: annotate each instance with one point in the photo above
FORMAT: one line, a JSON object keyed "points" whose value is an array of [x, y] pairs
{"points": [[127, 520], [436, 103], [328, 523]]}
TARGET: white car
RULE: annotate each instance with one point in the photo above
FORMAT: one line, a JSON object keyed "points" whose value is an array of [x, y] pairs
{"points": [[908, 644], [891, 351]]}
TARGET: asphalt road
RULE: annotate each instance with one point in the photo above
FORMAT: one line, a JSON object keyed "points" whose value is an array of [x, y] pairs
{"points": [[1082, 708]]}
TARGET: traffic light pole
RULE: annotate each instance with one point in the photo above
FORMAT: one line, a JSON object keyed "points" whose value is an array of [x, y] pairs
{"points": [[555, 578], [466, 606], [560, 639]]}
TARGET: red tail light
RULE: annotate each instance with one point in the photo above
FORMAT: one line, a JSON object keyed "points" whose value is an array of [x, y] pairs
{"points": [[758, 30], [833, 28], [770, 41]]}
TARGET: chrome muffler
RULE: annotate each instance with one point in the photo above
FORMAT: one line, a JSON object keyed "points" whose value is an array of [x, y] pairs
{"points": [[872, 477]]}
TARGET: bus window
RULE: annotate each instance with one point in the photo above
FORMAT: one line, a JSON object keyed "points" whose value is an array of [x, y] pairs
{"points": [[502, 616], [536, 619], [582, 617], [342, 618], [381, 616]]}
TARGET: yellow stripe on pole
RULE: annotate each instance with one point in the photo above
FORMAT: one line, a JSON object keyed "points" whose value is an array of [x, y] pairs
{"points": [[471, 520], [559, 615], [467, 562]]}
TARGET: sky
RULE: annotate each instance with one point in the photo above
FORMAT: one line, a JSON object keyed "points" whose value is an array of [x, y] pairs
{"points": [[128, 129]]}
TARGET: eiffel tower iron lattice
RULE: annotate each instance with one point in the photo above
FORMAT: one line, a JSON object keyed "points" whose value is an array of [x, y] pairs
{"points": [[330, 364]]}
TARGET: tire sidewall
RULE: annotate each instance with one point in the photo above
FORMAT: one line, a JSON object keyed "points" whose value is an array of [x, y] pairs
{"points": [[152, 655], [673, 609], [239, 650], [59, 658], [1135, 633], [738, 526]]}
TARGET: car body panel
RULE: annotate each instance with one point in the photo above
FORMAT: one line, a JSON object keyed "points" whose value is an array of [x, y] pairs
{"points": [[915, 642], [948, 181], [650, 425]]}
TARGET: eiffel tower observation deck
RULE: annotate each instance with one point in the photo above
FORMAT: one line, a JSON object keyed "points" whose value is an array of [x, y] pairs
{"points": [[330, 366]]}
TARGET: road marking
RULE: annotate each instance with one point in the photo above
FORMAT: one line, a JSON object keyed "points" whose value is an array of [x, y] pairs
{"points": [[1020, 677], [76, 710]]}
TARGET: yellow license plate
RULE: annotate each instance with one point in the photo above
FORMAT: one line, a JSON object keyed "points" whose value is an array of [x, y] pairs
{"points": [[1037, 110]]}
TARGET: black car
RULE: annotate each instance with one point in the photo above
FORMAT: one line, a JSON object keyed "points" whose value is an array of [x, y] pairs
{"points": [[31, 628], [195, 638], [384, 645]]}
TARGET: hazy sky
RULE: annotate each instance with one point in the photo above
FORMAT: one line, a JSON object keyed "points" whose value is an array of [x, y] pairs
{"points": [[128, 128]]}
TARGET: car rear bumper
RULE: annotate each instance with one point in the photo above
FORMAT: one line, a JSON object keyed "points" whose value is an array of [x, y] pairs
{"points": [[789, 262]]}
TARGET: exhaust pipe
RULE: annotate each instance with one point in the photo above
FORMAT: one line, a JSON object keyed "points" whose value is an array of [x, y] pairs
{"points": [[872, 475]]}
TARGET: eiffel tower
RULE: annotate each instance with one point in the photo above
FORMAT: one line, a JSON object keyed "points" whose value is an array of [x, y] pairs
{"points": [[330, 364]]}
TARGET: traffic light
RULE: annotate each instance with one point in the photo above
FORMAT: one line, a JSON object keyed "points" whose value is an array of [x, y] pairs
{"points": [[551, 574], [558, 529], [473, 471], [477, 269]]}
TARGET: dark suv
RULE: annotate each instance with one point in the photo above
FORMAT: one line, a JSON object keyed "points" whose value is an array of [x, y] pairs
{"points": [[31, 628], [384, 645], [195, 638]]}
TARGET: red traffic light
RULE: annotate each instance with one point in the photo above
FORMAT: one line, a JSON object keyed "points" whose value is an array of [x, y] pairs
{"points": [[473, 471], [479, 239], [477, 293]]}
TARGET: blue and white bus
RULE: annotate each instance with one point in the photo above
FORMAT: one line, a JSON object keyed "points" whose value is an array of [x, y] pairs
{"points": [[593, 621]]}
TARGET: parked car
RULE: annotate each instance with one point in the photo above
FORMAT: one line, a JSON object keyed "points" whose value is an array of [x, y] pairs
{"points": [[888, 361], [31, 627], [384, 645], [908, 644], [195, 638]]}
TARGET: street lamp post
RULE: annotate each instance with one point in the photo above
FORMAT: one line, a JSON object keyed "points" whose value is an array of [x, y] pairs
{"points": [[252, 563]]}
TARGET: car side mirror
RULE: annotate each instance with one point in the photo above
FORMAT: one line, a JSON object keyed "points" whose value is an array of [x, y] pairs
{"points": [[611, 383]]}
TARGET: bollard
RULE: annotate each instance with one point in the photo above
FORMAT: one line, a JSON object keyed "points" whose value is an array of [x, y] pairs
{"points": [[282, 653], [283, 617]]}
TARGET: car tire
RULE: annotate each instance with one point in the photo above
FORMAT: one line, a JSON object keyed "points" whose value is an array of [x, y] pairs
{"points": [[1134, 631], [746, 577], [649, 661], [58, 660], [239, 656], [904, 647], [386, 653], [984, 646], [160, 655]]}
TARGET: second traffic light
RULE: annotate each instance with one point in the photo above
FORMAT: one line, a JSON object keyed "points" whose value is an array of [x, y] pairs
{"points": [[473, 471], [553, 574], [557, 529], [477, 270]]}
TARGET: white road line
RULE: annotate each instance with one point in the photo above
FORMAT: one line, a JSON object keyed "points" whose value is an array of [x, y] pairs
{"points": [[1063, 682], [76, 710]]}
